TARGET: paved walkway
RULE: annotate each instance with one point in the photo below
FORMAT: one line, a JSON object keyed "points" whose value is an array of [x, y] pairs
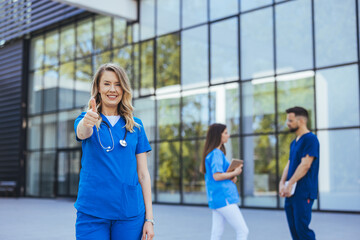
{"points": [[53, 219]]}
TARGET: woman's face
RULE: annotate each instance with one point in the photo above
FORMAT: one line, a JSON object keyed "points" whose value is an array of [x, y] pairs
{"points": [[224, 136], [110, 90]]}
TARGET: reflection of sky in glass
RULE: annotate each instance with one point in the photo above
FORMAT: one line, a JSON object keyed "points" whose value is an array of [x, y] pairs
{"points": [[168, 16], [337, 97], [147, 20], [335, 35], [219, 10], [257, 44], [194, 57], [293, 36], [193, 12], [251, 4], [224, 56]]}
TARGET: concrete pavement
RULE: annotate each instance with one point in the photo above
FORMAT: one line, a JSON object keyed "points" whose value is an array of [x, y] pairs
{"points": [[54, 219]]}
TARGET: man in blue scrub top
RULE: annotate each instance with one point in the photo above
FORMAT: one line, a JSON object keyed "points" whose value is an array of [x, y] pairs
{"points": [[299, 181]]}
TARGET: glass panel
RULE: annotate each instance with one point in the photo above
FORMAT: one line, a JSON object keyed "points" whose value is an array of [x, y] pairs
{"points": [[151, 168], [49, 126], [233, 151], [251, 4], [147, 68], [296, 90], [168, 16], [37, 53], [119, 38], [102, 33], [75, 158], [225, 106], [66, 85], [67, 42], [83, 82], [284, 154], [145, 110], [219, 10], [339, 172], [51, 48], [194, 57], [147, 19], [257, 44], [129, 32], [84, 38], [168, 175], [65, 132], [195, 113], [48, 174], [136, 73], [50, 89], [168, 116], [224, 54], [335, 36], [293, 22], [259, 106], [123, 58], [260, 171], [194, 12], [136, 32], [337, 97], [34, 133], [168, 63], [101, 59], [35, 92], [33, 174], [193, 181], [63, 171]]}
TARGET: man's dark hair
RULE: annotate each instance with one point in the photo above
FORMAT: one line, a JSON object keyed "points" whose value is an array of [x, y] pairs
{"points": [[298, 111]]}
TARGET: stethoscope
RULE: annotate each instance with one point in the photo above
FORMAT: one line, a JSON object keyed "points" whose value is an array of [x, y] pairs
{"points": [[122, 142]]}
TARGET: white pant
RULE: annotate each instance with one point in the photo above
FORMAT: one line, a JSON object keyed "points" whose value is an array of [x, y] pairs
{"points": [[231, 213]]}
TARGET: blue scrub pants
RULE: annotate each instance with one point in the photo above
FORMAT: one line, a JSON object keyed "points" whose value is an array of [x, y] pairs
{"points": [[298, 213], [93, 228]]}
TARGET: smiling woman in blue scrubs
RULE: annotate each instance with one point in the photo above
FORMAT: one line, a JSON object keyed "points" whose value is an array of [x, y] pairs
{"points": [[114, 198]]}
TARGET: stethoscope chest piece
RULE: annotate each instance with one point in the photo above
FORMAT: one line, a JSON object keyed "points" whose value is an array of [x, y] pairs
{"points": [[123, 142]]}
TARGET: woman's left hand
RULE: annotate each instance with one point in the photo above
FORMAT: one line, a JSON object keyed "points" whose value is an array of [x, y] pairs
{"points": [[148, 230], [234, 179]]}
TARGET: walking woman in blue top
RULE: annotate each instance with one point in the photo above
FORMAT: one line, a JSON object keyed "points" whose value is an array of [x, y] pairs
{"points": [[114, 198], [221, 190]]}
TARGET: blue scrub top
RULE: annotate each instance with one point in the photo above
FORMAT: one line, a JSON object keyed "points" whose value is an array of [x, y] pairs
{"points": [[308, 144], [109, 186], [219, 193]]}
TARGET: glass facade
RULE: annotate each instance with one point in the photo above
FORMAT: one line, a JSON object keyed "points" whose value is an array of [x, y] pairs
{"points": [[194, 63]]}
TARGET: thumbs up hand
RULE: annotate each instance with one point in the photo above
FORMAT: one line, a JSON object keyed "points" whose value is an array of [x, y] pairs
{"points": [[91, 116]]}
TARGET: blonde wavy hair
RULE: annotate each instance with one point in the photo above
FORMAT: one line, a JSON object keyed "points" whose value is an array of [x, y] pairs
{"points": [[125, 108]]}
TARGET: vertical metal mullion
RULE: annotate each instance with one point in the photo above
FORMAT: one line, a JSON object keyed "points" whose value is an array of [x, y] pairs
{"points": [[241, 142], [358, 42], [55, 184], [112, 39], [277, 157], [314, 70], [75, 64], [156, 151], [209, 61], [42, 118]]}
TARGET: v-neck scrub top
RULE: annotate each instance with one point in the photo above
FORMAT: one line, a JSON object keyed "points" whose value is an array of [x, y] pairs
{"points": [[219, 193], [307, 144], [109, 186]]}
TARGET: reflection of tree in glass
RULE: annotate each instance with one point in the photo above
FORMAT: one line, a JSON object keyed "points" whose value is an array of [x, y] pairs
{"points": [[169, 167], [195, 115], [51, 48], [147, 63], [292, 93], [264, 159], [84, 38], [169, 118], [193, 180], [123, 58], [83, 70], [263, 107], [167, 61], [102, 33]]}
